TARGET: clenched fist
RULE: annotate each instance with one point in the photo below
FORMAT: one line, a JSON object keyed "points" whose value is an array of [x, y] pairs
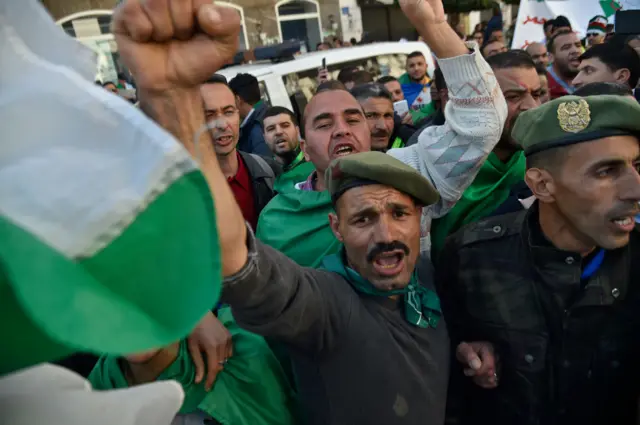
{"points": [[174, 44]]}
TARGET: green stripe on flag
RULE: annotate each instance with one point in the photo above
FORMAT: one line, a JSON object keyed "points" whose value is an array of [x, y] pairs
{"points": [[147, 288]]}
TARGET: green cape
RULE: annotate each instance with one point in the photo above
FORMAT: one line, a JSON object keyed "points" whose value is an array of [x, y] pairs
{"points": [[488, 191], [296, 223], [287, 180], [250, 390]]}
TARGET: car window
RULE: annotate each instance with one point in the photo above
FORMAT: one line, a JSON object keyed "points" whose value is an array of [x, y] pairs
{"points": [[305, 82]]}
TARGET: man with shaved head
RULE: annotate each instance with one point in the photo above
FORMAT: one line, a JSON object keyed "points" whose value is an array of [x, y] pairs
{"points": [[295, 221], [538, 53]]}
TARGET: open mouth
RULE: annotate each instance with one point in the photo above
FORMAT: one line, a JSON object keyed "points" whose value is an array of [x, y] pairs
{"points": [[624, 224], [224, 140], [389, 263], [343, 150]]}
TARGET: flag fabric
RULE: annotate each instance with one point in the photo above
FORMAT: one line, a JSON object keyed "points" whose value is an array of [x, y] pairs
{"points": [[108, 240]]}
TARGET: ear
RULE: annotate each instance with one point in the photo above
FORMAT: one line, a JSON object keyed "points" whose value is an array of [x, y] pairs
{"points": [[622, 75], [334, 222], [541, 184], [303, 148]]}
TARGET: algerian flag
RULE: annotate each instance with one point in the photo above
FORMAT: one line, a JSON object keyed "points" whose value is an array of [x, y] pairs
{"points": [[108, 240]]}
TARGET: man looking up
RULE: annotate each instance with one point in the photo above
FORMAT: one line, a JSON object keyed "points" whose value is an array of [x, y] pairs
{"points": [[250, 176], [377, 104], [538, 53], [246, 89], [554, 286], [335, 126], [516, 73], [609, 63], [282, 134], [415, 85], [565, 49]]}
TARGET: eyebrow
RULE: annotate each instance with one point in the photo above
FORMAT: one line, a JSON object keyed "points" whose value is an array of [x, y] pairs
{"points": [[609, 162], [372, 211], [207, 110]]}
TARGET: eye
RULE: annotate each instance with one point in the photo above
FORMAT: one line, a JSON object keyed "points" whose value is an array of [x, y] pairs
{"points": [[399, 214], [512, 97], [636, 166], [323, 126], [361, 221], [605, 172], [353, 121], [229, 112]]}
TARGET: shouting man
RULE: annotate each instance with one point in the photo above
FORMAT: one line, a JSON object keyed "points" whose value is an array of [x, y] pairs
{"points": [[565, 49]]}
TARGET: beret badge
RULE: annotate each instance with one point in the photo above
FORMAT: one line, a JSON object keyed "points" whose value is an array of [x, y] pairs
{"points": [[574, 116]]}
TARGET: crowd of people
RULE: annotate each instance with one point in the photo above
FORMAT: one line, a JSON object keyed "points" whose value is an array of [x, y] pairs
{"points": [[467, 261]]}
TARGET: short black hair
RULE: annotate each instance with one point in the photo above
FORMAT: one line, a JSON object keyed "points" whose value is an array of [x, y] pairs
{"points": [[246, 87], [277, 110], [548, 23], [321, 43], [511, 59], [371, 90], [346, 74], [438, 79], [561, 21], [362, 77], [595, 89], [550, 159], [217, 79], [330, 85], [109, 83], [387, 79], [415, 54], [353, 41], [615, 58], [486, 42], [552, 40]]}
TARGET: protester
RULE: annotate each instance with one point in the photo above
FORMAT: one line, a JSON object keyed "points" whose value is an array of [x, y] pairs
{"points": [[415, 85], [250, 176], [492, 48], [442, 98], [516, 73], [250, 389], [552, 287], [251, 107], [323, 46], [393, 86], [565, 50], [335, 126], [608, 64], [560, 24], [377, 104], [538, 53], [547, 28], [282, 134], [596, 30], [544, 83], [478, 37], [353, 76]]}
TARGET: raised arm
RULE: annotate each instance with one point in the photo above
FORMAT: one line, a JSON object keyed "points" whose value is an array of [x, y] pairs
{"points": [[451, 155], [171, 47]]}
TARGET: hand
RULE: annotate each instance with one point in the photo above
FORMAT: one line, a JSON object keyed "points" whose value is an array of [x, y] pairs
{"points": [[169, 44], [480, 362], [407, 118], [323, 75], [214, 339], [423, 12]]}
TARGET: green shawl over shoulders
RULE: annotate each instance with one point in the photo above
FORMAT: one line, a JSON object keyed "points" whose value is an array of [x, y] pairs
{"points": [[299, 172], [296, 223], [252, 389], [488, 191]]}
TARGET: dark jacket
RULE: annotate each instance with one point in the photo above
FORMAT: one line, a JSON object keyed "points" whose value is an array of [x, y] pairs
{"points": [[263, 172], [357, 359], [401, 131], [251, 135], [437, 118], [568, 348]]}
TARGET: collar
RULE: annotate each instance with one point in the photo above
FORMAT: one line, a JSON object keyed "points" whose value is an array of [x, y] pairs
{"points": [[569, 89], [298, 159], [242, 173], [246, 119]]}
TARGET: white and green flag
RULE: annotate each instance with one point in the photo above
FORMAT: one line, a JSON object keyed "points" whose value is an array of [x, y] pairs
{"points": [[108, 239]]}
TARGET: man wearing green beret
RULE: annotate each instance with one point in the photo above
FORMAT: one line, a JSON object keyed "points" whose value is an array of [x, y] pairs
{"points": [[555, 287]]}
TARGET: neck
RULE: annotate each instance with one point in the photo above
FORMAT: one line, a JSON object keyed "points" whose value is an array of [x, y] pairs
{"points": [[560, 233], [419, 80], [504, 155], [563, 75], [229, 164], [288, 157], [142, 373], [319, 186]]}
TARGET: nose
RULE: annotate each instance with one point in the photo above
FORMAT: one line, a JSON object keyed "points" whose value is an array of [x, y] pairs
{"points": [[529, 103], [383, 233], [341, 129], [630, 188]]}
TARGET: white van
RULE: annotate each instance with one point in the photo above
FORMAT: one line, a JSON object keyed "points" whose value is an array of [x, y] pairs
{"points": [[292, 83]]}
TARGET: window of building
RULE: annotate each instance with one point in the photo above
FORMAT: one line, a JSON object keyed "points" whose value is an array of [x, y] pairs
{"points": [[299, 20]]}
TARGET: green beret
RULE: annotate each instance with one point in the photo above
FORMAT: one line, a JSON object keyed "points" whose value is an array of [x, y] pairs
{"points": [[572, 119], [378, 168]]}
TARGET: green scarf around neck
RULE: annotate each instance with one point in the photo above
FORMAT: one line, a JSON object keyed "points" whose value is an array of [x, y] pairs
{"points": [[488, 191], [421, 305]]}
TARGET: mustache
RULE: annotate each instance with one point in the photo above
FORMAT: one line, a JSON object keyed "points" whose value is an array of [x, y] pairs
{"points": [[380, 133], [382, 247], [631, 209]]}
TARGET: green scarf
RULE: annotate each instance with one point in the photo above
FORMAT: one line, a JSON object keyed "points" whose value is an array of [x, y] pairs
{"points": [[294, 173], [488, 191], [421, 305], [250, 390], [296, 223]]}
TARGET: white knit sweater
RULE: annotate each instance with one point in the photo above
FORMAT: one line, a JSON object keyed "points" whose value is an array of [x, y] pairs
{"points": [[451, 155]]}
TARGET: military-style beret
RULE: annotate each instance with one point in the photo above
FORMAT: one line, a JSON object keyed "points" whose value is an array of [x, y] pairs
{"points": [[570, 119], [377, 168]]}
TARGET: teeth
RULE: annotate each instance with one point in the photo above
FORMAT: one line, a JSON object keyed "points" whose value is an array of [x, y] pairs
{"points": [[624, 222]]}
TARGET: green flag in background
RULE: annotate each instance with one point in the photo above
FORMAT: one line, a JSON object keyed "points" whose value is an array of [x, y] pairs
{"points": [[108, 239]]}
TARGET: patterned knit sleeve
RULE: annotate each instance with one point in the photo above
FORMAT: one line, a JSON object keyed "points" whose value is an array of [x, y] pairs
{"points": [[451, 155]]}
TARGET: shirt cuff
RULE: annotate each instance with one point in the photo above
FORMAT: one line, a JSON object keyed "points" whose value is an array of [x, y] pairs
{"points": [[250, 266]]}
